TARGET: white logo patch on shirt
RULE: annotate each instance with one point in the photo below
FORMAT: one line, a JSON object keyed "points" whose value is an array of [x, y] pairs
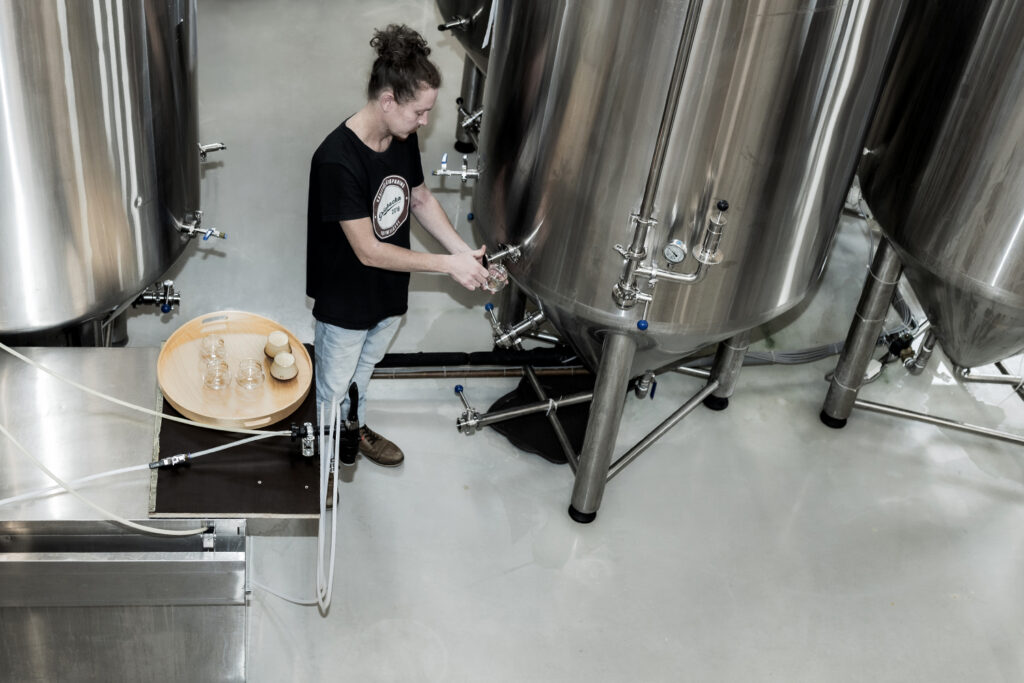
{"points": [[390, 206]]}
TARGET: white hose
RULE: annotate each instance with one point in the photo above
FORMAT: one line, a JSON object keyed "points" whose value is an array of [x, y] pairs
{"points": [[38, 493], [329, 450], [131, 406], [329, 446], [77, 483], [287, 598], [70, 489], [103, 511]]}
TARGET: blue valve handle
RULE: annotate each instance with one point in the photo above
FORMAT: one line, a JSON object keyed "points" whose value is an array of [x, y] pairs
{"points": [[166, 308], [458, 388], [641, 325], [654, 387], [488, 307]]}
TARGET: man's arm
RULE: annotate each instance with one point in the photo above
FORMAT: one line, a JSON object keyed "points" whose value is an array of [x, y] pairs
{"points": [[464, 266], [432, 217]]}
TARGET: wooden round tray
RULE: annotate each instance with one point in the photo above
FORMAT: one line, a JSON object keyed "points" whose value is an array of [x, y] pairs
{"points": [[179, 372]]}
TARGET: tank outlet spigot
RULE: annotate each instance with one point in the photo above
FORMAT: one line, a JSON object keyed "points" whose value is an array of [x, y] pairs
{"points": [[471, 121], [456, 23], [161, 294], [465, 174], [505, 252], [212, 147], [916, 363], [192, 227], [469, 422], [513, 336], [645, 385]]}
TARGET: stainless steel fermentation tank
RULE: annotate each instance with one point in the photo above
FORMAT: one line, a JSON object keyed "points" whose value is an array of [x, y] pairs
{"points": [[602, 110], [469, 23], [99, 165], [944, 173], [773, 106]]}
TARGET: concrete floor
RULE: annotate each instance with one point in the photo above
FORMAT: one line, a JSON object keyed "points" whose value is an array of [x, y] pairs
{"points": [[749, 545]]}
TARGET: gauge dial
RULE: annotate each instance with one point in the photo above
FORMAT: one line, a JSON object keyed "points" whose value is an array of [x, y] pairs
{"points": [[675, 251]]}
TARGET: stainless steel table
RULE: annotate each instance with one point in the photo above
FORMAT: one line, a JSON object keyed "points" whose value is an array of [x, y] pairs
{"points": [[76, 434], [85, 599]]}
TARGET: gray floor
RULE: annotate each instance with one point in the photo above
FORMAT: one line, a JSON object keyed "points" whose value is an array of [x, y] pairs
{"points": [[749, 545]]}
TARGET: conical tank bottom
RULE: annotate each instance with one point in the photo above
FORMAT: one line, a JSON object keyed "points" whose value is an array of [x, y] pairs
{"points": [[658, 346], [975, 324]]}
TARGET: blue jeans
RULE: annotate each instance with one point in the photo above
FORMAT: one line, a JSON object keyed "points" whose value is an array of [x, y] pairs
{"points": [[344, 356]]}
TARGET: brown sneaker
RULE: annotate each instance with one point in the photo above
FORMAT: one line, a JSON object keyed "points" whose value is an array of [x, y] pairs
{"points": [[378, 449]]}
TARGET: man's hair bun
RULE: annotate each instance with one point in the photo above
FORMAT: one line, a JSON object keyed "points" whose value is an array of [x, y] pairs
{"points": [[402, 63], [398, 43]]}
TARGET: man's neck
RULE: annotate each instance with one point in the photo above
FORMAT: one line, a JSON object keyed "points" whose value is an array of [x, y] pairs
{"points": [[369, 128]]}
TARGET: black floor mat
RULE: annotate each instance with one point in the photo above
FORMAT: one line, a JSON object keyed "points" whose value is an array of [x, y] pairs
{"points": [[533, 433]]}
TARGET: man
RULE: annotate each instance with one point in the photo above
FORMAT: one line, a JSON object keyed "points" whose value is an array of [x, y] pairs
{"points": [[365, 180]]}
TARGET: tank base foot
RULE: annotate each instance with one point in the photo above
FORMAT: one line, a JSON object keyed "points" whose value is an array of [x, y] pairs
{"points": [[716, 402], [833, 422], [582, 517]]}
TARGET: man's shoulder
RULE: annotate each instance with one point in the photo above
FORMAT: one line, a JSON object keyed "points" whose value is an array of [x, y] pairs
{"points": [[336, 148]]}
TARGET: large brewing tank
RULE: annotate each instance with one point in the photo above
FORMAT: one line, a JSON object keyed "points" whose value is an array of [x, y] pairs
{"points": [[771, 117], [99, 163], [944, 173]]}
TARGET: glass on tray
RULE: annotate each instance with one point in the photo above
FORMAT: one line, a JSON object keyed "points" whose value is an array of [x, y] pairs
{"points": [[250, 374], [216, 374]]}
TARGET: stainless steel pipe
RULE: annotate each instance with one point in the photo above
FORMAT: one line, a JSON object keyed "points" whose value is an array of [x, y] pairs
{"points": [[938, 421], [530, 409], [662, 429], [863, 335], [917, 364], [552, 415], [625, 291]]}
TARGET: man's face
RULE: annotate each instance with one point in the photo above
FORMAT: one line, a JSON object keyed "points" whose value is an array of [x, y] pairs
{"points": [[404, 119]]}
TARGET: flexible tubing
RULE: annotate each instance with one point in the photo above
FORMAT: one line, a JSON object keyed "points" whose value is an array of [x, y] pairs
{"points": [[103, 511], [329, 445], [286, 598], [305, 602], [131, 406], [77, 483], [38, 493]]}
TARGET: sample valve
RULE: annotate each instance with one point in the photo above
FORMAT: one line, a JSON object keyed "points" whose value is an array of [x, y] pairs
{"points": [[470, 420], [456, 22], [465, 174], [212, 147], [191, 227], [160, 294]]}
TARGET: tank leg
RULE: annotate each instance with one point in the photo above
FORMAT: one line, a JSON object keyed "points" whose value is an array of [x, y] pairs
{"points": [[726, 369], [602, 427], [864, 330], [470, 98]]}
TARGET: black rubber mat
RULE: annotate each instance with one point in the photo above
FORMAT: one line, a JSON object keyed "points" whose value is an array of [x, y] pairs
{"points": [[533, 433], [267, 478]]}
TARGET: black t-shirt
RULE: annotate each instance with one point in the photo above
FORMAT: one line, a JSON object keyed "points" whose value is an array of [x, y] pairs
{"points": [[348, 181]]}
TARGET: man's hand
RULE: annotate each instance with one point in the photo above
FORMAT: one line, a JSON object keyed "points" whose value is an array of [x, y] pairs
{"points": [[466, 268]]}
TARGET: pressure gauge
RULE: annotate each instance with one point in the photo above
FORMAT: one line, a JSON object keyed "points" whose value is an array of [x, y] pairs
{"points": [[675, 251]]}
